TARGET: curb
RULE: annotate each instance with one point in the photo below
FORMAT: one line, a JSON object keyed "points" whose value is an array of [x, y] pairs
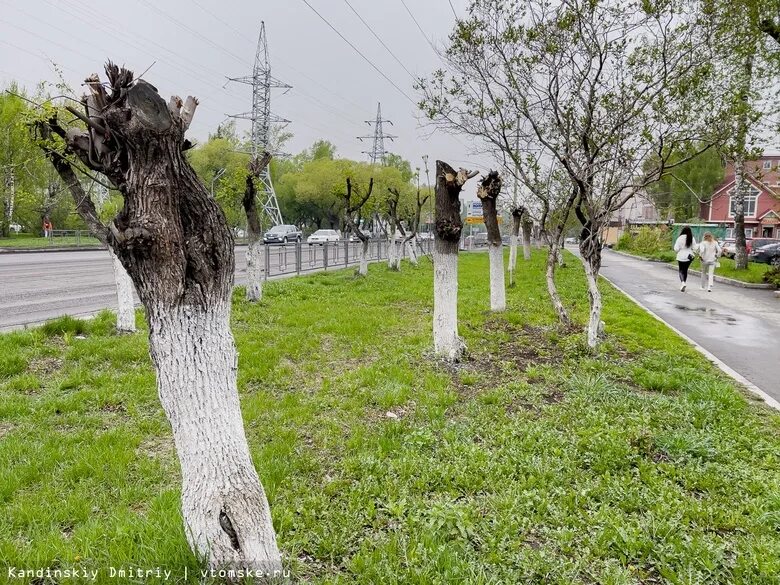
{"points": [[52, 249], [730, 281], [720, 279], [736, 376]]}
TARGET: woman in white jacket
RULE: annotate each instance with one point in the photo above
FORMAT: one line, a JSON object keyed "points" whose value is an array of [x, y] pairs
{"points": [[709, 252], [684, 246]]}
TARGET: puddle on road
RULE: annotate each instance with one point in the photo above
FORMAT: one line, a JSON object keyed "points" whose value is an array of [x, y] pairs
{"points": [[708, 313]]}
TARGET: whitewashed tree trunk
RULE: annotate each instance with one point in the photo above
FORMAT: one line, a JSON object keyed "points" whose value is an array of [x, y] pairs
{"points": [[497, 285], [446, 341], [226, 514], [125, 314], [594, 296], [527, 228], [552, 290], [512, 258], [363, 256], [411, 252], [254, 270]]}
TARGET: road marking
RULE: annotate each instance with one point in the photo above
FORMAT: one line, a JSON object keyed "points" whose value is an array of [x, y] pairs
{"points": [[739, 378]]}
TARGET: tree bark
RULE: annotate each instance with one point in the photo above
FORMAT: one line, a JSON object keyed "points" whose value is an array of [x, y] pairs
{"points": [[741, 185], [363, 269], [552, 289], [448, 226], [175, 243], [350, 209], [517, 215], [488, 192], [592, 266]]}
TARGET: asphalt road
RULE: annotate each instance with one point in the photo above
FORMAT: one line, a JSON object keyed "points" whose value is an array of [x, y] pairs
{"points": [[739, 326], [38, 286]]}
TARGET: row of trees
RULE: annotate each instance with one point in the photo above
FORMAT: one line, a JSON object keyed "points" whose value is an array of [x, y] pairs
{"points": [[589, 103]]}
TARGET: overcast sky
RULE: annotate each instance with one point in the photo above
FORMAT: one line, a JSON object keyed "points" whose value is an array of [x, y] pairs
{"points": [[196, 44]]}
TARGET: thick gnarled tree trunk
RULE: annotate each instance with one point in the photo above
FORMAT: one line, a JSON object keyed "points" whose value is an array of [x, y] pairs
{"points": [[488, 192], [175, 243], [448, 226]]}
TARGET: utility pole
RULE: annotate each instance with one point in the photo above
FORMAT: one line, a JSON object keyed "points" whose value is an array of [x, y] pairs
{"points": [[262, 118], [378, 154]]}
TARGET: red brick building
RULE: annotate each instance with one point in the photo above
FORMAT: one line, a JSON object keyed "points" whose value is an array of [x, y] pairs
{"points": [[762, 204]]}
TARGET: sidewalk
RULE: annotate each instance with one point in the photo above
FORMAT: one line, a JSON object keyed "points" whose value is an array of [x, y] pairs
{"points": [[739, 326]]}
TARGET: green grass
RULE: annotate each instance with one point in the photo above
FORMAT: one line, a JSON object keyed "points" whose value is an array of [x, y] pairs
{"points": [[535, 461], [753, 274], [27, 242]]}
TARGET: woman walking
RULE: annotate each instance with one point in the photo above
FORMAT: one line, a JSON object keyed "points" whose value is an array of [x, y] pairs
{"points": [[684, 246], [709, 252]]}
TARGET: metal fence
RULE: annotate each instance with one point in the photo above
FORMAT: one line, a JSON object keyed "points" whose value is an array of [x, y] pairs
{"points": [[75, 238], [299, 257]]}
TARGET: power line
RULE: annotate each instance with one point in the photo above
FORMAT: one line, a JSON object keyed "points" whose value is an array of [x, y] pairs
{"points": [[455, 14], [377, 37], [366, 59], [422, 32]]}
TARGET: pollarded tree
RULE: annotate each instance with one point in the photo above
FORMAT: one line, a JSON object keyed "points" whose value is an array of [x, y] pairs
{"points": [[352, 216], [175, 243], [488, 192], [448, 227], [410, 236]]}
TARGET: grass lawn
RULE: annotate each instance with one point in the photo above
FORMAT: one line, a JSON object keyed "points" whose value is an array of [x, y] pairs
{"points": [[754, 273], [534, 461], [34, 242]]}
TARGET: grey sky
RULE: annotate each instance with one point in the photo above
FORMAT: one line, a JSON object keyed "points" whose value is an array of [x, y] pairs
{"points": [[196, 44]]}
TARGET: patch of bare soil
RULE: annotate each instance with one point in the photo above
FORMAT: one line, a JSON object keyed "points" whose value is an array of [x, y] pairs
{"points": [[44, 366]]}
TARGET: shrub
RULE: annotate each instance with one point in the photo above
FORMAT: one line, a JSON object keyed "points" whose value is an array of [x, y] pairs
{"points": [[772, 277]]}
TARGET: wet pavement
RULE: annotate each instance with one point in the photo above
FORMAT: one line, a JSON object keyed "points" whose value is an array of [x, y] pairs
{"points": [[741, 327]]}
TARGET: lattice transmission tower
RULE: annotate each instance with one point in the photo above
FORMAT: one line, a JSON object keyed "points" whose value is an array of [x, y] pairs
{"points": [[378, 154], [262, 118]]}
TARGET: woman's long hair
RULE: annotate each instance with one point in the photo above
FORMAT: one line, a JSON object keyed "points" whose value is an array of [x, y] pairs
{"points": [[686, 231]]}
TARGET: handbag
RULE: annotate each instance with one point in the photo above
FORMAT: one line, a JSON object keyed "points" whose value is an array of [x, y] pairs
{"points": [[691, 257]]}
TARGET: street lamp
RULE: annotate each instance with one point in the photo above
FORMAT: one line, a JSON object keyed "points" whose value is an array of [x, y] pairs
{"points": [[217, 175]]}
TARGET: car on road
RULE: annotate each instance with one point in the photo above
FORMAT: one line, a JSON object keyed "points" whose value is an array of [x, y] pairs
{"points": [[481, 239], [323, 236], [768, 254], [571, 241], [353, 237], [15, 227], [282, 234]]}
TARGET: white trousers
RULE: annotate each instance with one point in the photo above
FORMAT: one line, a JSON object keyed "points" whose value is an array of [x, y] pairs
{"points": [[707, 274]]}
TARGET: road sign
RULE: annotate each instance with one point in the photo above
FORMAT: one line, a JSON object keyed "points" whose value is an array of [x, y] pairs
{"points": [[473, 220]]}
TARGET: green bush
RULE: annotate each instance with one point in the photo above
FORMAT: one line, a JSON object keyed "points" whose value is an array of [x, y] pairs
{"points": [[772, 277], [653, 242]]}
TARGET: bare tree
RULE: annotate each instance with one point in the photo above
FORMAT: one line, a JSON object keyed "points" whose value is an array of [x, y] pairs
{"points": [[352, 210], [254, 253], [488, 192], [448, 226], [175, 243]]}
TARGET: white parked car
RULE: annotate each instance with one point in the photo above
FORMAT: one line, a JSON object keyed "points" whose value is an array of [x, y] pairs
{"points": [[322, 236], [15, 227]]}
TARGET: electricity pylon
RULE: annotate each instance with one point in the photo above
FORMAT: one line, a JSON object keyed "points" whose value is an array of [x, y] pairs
{"points": [[262, 118], [378, 153]]}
